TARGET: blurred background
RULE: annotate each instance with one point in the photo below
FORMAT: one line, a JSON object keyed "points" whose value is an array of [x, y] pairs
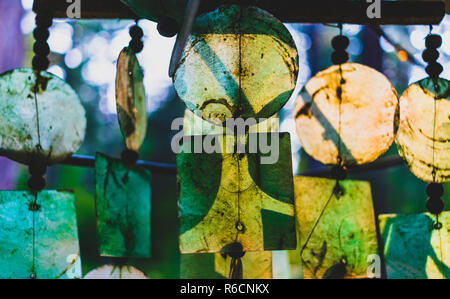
{"points": [[84, 54]]}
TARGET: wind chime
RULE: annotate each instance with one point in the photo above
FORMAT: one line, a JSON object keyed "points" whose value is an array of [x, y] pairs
{"points": [[42, 123], [416, 246], [345, 115], [123, 189], [239, 62]]}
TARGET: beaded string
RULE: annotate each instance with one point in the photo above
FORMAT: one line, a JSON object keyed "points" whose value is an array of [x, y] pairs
{"points": [[435, 204], [38, 167], [130, 157], [339, 57], [339, 171], [235, 249]]}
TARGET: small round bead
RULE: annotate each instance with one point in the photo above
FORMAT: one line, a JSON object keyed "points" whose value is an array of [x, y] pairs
{"points": [[339, 57], [40, 62], [435, 205], [44, 20], [40, 33], [130, 157], [435, 190], [235, 250], [136, 32], [430, 55], [338, 173], [433, 41], [136, 45], [340, 42], [37, 169], [168, 27], [36, 183], [434, 69], [240, 227], [41, 48]]}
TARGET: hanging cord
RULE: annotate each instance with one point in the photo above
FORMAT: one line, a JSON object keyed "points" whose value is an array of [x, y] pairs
{"points": [[435, 191], [235, 250], [236, 253], [339, 171], [339, 57], [130, 157], [38, 166]]}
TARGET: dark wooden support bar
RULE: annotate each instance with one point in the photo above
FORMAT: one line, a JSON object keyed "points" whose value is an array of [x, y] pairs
{"points": [[289, 11]]}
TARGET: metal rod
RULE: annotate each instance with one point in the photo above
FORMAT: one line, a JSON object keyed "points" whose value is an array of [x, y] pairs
{"points": [[171, 169], [89, 162], [380, 164], [288, 11]]}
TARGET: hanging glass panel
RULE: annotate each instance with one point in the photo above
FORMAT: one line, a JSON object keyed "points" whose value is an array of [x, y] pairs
{"points": [[337, 233], [413, 249], [123, 196], [116, 272], [41, 240], [255, 265], [226, 197]]}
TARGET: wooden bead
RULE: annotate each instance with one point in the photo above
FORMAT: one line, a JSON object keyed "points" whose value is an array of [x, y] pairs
{"points": [[339, 57], [168, 27], [340, 42], [435, 190], [430, 55], [434, 69], [130, 157], [435, 205], [433, 41]]}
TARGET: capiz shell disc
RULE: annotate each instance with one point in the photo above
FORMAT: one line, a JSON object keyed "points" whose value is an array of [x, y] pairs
{"points": [[413, 249], [116, 272], [418, 129], [54, 227], [337, 234], [131, 100], [368, 114], [238, 62], [52, 134]]}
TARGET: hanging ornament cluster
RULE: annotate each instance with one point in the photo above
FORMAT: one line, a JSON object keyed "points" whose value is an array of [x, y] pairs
{"points": [[42, 123], [344, 116], [416, 246], [240, 62], [123, 189]]}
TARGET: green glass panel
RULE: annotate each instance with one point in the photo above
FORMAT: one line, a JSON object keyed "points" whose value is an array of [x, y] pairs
{"points": [[219, 190], [255, 265], [46, 238], [123, 204], [337, 234], [413, 249]]}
